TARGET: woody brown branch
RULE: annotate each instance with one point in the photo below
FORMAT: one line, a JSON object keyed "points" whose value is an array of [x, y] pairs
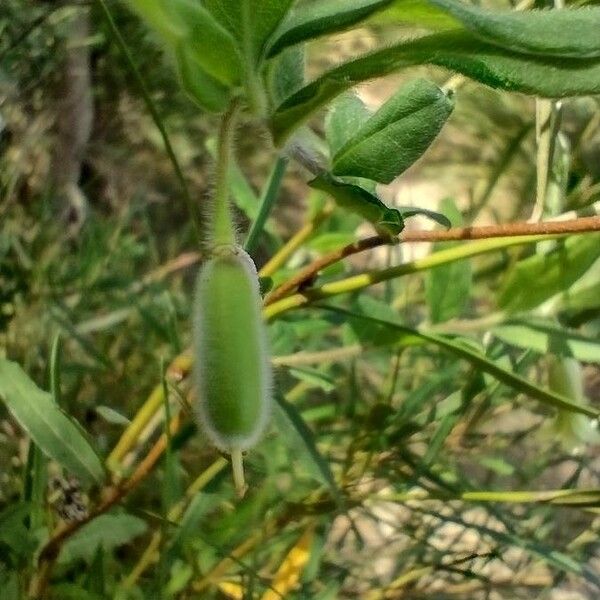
{"points": [[310, 272]]}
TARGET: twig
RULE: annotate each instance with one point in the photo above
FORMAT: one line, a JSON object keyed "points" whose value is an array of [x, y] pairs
{"points": [[310, 272]]}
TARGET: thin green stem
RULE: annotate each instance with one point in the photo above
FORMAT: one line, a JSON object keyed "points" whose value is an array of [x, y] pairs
{"points": [[191, 205], [569, 497], [222, 231], [267, 202]]}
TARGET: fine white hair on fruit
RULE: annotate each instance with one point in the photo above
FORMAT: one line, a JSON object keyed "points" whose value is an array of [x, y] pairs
{"points": [[232, 367]]}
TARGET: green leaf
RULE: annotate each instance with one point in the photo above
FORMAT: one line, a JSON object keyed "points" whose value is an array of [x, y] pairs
{"points": [[414, 211], [416, 12], [448, 286], [358, 200], [210, 45], [396, 135], [108, 531], [110, 415], [252, 22], [447, 290], [157, 15], [476, 359], [305, 433], [314, 378], [188, 22], [437, 440], [539, 32], [585, 298], [35, 486], [548, 338], [190, 522], [331, 240], [49, 427], [569, 32], [346, 115], [497, 465], [539, 277], [458, 51], [322, 18], [285, 74], [207, 92], [97, 577], [13, 530]]}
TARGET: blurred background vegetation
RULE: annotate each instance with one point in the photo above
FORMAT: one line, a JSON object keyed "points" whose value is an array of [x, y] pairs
{"points": [[96, 247]]}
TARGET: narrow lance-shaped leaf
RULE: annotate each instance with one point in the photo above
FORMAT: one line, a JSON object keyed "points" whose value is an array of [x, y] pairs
{"points": [[571, 32], [307, 437], [533, 32], [476, 359], [547, 337], [396, 135], [458, 51], [551, 273], [49, 427], [322, 18]]}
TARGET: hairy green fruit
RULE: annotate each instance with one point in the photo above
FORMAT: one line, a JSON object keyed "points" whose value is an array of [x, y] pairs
{"points": [[232, 367]]}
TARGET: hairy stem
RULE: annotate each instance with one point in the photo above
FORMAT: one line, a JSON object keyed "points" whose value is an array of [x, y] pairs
{"points": [[222, 231]]}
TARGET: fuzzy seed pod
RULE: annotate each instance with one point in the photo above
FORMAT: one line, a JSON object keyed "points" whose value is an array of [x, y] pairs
{"points": [[232, 366]]}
